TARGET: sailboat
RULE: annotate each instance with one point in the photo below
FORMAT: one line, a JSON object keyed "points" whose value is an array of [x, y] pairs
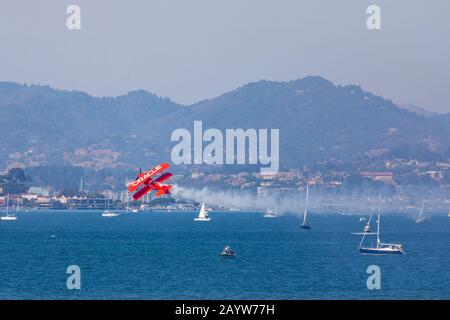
{"points": [[381, 248], [305, 224], [203, 214], [8, 217], [366, 229], [108, 213], [133, 210], [421, 217]]}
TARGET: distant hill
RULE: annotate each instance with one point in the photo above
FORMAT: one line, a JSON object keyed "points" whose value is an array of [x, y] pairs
{"points": [[419, 110], [317, 121]]}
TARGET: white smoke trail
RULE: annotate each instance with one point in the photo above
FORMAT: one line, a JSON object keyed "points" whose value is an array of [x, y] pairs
{"points": [[294, 203], [239, 200]]}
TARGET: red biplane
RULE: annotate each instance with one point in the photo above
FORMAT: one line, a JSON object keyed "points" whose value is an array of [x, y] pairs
{"points": [[150, 183]]}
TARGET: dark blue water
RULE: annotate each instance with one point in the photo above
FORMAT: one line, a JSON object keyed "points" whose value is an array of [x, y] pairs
{"points": [[168, 256]]}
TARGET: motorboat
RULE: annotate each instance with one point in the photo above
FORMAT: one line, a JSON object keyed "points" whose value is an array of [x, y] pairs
{"points": [[227, 252]]}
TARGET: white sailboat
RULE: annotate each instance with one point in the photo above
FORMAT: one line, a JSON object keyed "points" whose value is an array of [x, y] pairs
{"points": [[421, 217], [108, 213], [380, 248], [305, 224], [203, 214], [8, 217], [133, 210]]}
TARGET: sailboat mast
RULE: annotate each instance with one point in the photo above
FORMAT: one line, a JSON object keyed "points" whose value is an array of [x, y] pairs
{"points": [[7, 204], [378, 227], [378, 220]]}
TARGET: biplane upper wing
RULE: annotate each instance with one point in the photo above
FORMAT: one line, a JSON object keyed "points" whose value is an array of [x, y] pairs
{"points": [[164, 177], [144, 177]]}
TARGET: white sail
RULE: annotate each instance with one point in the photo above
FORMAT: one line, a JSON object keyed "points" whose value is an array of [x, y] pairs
{"points": [[203, 214], [305, 214], [421, 217]]}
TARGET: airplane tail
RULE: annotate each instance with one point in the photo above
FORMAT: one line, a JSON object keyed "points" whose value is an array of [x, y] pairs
{"points": [[163, 190]]}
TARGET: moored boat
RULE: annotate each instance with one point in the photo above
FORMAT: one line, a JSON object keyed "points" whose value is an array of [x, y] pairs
{"points": [[8, 217]]}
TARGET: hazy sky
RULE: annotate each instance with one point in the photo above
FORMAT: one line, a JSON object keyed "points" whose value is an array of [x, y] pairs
{"points": [[194, 49]]}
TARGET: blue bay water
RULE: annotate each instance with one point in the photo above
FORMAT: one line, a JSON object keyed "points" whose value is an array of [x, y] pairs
{"points": [[169, 256]]}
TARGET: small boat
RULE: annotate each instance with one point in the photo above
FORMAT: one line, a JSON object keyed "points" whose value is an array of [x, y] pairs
{"points": [[305, 224], [203, 214], [366, 229], [108, 213], [8, 217], [270, 213], [380, 248], [227, 252], [421, 217], [383, 249]]}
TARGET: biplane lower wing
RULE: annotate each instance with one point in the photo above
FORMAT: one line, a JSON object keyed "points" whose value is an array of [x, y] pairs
{"points": [[142, 192]]}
